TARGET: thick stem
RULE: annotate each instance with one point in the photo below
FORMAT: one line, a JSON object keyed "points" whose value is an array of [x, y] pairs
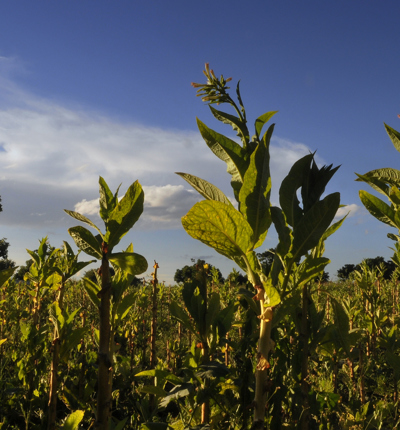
{"points": [[105, 360], [261, 375]]}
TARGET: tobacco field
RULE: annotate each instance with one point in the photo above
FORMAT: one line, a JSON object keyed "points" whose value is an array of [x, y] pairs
{"points": [[270, 347]]}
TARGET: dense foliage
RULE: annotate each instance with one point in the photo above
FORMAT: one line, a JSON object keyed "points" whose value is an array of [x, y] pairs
{"points": [[279, 348]]}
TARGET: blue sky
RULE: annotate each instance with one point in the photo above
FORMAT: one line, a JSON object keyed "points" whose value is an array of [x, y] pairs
{"points": [[95, 88]]}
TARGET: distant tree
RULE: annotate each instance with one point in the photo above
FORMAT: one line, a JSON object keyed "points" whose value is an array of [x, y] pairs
{"points": [[188, 272], [344, 272], [386, 267], [324, 277], [5, 262], [266, 259]]}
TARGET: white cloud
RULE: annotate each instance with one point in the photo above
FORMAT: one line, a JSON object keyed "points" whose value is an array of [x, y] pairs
{"points": [[52, 156], [88, 207], [351, 210]]}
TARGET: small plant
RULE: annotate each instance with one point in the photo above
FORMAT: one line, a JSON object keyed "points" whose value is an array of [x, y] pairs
{"points": [[119, 216]]}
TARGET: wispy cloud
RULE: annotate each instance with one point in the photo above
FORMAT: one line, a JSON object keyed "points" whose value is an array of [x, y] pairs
{"points": [[51, 156]]}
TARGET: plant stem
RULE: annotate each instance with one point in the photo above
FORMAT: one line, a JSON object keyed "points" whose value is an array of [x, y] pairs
{"points": [[105, 361]]}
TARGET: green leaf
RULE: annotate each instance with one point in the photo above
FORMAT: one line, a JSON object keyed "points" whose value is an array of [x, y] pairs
{"points": [[151, 389], [73, 420], [288, 191], [376, 183], [261, 120], [206, 189], [178, 313], [2, 341], [125, 214], [342, 325], [284, 246], [220, 226], [227, 150], [272, 293], [107, 201], [121, 424], [92, 289], [394, 136], [236, 123], [309, 230], [71, 341], [133, 263], [35, 257], [82, 218], [213, 310], [6, 274], [85, 241], [309, 269], [161, 375], [378, 208], [255, 192], [125, 305]]}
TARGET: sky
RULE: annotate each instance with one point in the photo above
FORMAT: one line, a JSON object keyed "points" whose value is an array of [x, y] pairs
{"points": [[102, 88]]}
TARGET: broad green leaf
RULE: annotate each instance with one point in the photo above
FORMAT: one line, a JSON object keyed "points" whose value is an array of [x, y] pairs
{"points": [[206, 189], [255, 192], [2, 341], [236, 123], [227, 150], [82, 218], [6, 274], [394, 136], [161, 375], [273, 298], [378, 208], [133, 263], [342, 325], [288, 191], [125, 214], [213, 309], [73, 420], [34, 257], [121, 424], [394, 195], [386, 175], [309, 230], [261, 120], [253, 262], [85, 241], [220, 226], [71, 341], [376, 183], [178, 313], [151, 389], [92, 289], [125, 305], [107, 200], [284, 246], [309, 269]]}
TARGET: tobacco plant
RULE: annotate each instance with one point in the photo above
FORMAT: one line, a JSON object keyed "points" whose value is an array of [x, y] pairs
{"points": [[236, 233], [119, 216]]}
